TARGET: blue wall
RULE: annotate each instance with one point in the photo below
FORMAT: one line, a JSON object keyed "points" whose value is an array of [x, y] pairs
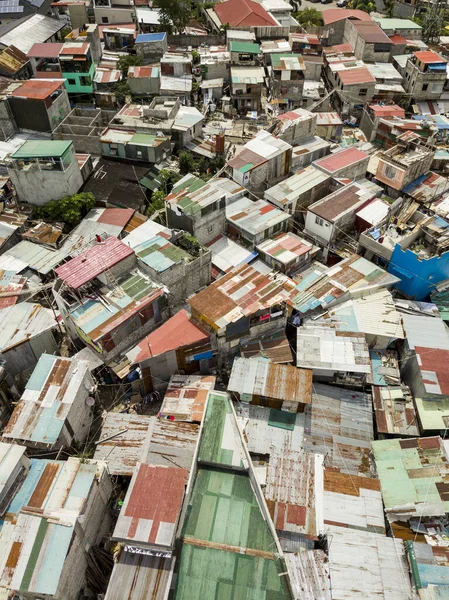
{"points": [[418, 277]]}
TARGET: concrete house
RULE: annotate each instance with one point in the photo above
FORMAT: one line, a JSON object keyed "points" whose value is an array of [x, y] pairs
{"points": [[43, 170], [368, 40], [425, 75], [143, 81], [287, 73], [106, 301], [59, 522], [244, 53], [55, 409], [402, 164], [114, 11], [373, 114], [78, 68], [287, 252], [197, 207], [246, 88], [335, 24], [294, 125], [39, 105], [145, 147], [263, 160], [151, 47], [351, 163], [167, 260], [327, 218], [44, 59], [403, 27], [260, 382], [356, 83]]}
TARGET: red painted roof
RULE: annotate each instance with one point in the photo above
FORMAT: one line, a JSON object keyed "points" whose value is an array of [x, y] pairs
{"points": [[92, 262], [45, 50], [332, 15], [339, 49], [398, 40], [173, 334], [116, 216], [429, 57], [390, 110], [433, 366], [243, 13], [137, 72], [37, 90], [75, 48], [354, 76], [152, 505], [342, 159]]}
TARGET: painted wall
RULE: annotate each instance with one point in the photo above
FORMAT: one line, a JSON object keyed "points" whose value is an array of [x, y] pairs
{"points": [[78, 87], [418, 277]]}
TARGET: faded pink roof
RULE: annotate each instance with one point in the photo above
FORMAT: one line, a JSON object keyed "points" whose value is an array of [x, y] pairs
{"points": [[389, 110], [354, 76], [332, 15], [116, 216], [243, 13], [175, 333], [145, 71], [92, 262], [75, 48], [45, 50], [342, 159], [339, 49]]}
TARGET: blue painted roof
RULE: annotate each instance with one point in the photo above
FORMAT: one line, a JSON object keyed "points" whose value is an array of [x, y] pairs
{"points": [[150, 37]]}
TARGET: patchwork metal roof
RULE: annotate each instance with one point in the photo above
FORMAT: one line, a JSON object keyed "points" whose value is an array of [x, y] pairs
{"points": [[395, 411], [293, 187], [413, 476], [171, 442], [226, 254], [152, 506], [191, 194], [240, 293], [259, 377], [22, 322], [255, 217], [122, 452], [56, 387], [274, 347], [160, 254], [186, 397], [286, 247]]}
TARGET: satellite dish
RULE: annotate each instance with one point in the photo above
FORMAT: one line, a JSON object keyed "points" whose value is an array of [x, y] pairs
{"points": [[90, 401]]}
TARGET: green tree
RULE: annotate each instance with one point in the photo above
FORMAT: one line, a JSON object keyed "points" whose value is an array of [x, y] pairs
{"points": [[70, 209], [389, 8], [157, 202], [367, 6], [186, 162], [309, 17], [176, 12], [124, 62], [65, 32], [122, 91]]}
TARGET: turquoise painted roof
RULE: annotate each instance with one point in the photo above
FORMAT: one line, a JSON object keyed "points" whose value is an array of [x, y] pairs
{"points": [[42, 148]]}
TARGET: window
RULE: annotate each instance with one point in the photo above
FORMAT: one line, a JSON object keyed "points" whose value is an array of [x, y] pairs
{"points": [[71, 81], [85, 81], [363, 91], [319, 221], [139, 153], [104, 20], [425, 86]]}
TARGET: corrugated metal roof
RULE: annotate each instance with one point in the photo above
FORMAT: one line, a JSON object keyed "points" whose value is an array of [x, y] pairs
{"points": [[248, 75], [275, 348], [56, 387], [152, 505], [41, 148], [92, 262], [241, 292], [192, 194], [394, 410], [47, 50], [340, 160], [35, 29], [429, 57], [413, 474], [186, 397], [23, 321], [9, 283], [140, 577], [160, 254], [294, 484], [425, 332], [370, 32], [75, 48], [259, 377], [122, 452], [300, 183], [309, 572], [255, 217], [171, 442], [54, 494], [221, 443], [339, 424], [332, 15], [285, 247], [175, 333], [12, 465], [107, 76], [367, 565], [226, 254]]}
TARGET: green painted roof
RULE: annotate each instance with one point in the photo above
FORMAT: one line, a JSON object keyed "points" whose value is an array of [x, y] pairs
{"points": [[211, 574], [396, 23], [42, 148], [432, 414], [409, 473], [146, 139], [220, 442], [245, 47]]}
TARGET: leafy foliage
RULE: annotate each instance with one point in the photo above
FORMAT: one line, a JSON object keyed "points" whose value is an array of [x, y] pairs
{"points": [[124, 62], [70, 209], [367, 6], [186, 162], [190, 244], [157, 202], [176, 12], [309, 17], [389, 8], [122, 91]]}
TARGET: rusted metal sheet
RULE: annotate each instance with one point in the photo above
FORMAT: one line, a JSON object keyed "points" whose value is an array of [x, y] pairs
{"points": [[185, 398]]}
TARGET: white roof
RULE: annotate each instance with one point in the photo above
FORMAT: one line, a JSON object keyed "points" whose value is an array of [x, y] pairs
{"points": [[23, 321], [375, 212], [36, 29], [266, 145], [226, 254], [148, 16], [425, 332], [145, 232], [292, 188]]}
